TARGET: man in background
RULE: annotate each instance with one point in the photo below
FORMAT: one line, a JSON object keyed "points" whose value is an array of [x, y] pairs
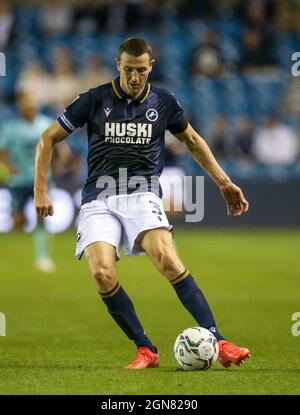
{"points": [[18, 140]]}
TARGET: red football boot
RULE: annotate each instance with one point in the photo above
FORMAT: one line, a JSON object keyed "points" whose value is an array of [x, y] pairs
{"points": [[230, 353], [144, 359]]}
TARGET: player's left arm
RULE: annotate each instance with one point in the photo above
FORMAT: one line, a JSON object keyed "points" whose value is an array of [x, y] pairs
{"points": [[5, 160], [233, 195], [5, 156]]}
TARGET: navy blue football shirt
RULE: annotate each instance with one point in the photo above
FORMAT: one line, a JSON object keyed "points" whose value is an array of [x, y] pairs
{"points": [[124, 135]]}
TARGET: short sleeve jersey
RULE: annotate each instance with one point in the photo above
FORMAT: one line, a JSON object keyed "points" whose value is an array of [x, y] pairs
{"points": [[125, 136]]}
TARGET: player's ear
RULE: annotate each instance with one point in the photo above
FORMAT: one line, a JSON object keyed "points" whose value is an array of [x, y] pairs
{"points": [[152, 62], [118, 63]]}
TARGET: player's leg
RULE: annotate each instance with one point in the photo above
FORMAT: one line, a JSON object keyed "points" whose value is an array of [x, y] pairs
{"points": [[43, 261], [19, 220], [99, 236], [101, 258], [19, 199], [41, 237], [158, 244], [42, 245]]}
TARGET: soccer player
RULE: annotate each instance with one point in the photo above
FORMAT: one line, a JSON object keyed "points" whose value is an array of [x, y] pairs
{"points": [[18, 140], [126, 121]]}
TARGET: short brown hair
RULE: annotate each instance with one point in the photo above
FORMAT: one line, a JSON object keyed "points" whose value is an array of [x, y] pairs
{"points": [[136, 47]]}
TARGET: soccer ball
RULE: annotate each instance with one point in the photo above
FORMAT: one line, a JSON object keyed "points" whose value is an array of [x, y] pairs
{"points": [[196, 348]]}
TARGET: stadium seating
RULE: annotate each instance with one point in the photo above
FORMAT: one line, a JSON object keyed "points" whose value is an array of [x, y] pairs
{"points": [[232, 95]]}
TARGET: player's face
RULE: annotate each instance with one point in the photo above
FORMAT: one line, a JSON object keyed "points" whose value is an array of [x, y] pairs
{"points": [[27, 105], [134, 71]]}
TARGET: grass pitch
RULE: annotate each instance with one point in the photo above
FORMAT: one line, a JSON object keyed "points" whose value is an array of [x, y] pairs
{"points": [[61, 340]]}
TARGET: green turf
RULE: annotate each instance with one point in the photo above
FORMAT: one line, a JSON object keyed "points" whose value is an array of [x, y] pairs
{"points": [[60, 339]]}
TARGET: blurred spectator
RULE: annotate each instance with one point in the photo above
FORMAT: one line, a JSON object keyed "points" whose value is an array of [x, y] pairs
{"points": [[256, 52], [287, 16], [174, 150], [64, 82], [55, 17], [244, 139], [7, 21], [127, 15], [79, 148], [88, 16], [256, 13], [221, 139], [94, 74], [157, 74], [259, 31], [291, 100], [66, 166], [275, 143], [192, 9], [208, 59], [150, 14], [117, 16], [36, 80]]}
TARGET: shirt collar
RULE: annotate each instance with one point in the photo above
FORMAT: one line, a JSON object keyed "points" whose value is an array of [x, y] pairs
{"points": [[121, 94]]}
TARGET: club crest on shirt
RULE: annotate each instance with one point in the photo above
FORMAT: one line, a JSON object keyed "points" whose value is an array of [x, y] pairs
{"points": [[152, 115]]}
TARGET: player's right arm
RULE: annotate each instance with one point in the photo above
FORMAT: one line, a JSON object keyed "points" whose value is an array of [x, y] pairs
{"points": [[74, 116], [54, 134]]}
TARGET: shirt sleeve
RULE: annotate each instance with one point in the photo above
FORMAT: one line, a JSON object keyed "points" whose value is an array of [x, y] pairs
{"points": [[5, 137], [77, 113], [177, 122]]}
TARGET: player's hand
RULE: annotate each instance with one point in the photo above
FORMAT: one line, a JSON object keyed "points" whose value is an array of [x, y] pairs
{"points": [[43, 204], [235, 200]]}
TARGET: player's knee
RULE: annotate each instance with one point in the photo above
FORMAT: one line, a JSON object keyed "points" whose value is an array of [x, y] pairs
{"points": [[105, 277], [19, 220], [168, 263]]}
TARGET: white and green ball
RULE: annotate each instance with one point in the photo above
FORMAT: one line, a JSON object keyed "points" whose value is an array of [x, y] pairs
{"points": [[196, 348]]}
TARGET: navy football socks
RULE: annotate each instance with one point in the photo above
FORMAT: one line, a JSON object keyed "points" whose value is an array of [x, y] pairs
{"points": [[122, 311], [194, 301]]}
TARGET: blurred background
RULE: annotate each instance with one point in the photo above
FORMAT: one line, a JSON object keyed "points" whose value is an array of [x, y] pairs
{"points": [[228, 62]]}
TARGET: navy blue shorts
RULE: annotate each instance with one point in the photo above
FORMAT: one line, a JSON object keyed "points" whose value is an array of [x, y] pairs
{"points": [[20, 197]]}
